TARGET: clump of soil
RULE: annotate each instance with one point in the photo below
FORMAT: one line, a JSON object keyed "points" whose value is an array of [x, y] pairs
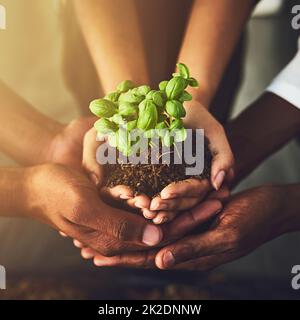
{"points": [[151, 179]]}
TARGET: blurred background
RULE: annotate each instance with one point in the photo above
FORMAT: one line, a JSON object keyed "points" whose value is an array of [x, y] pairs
{"points": [[38, 47]]}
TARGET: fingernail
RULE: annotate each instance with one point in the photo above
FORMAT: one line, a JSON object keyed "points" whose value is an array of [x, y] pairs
{"points": [[152, 235], [159, 220], [94, 178], [219, 179], [158, 206], [168, 259], [149, 214], [125, 196]]}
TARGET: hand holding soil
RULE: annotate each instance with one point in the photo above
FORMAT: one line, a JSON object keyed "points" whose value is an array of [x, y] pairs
{"points": [[160, 190]]}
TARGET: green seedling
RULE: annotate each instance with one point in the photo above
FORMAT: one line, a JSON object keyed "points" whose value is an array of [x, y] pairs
{"points": [[156, 113]]}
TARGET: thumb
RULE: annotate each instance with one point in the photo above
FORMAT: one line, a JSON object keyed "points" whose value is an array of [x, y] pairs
{"points": [[223, 160], [89, 161]]}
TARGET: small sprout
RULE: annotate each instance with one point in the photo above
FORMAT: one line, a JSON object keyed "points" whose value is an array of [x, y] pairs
{"points": [[175, 109], [157, 113], [103, 108], [104, 126], [183, 70], [125, 86], [175, 87]]}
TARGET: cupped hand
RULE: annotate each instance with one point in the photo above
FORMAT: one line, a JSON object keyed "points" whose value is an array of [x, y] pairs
{"points": [[248, 220], [68, 201]]}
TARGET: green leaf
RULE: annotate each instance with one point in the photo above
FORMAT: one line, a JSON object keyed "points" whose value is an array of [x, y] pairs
{"points": [[104, 126], [159, 99], [183, 70], [143, 90], [130, 125], [118, 119], [168, 139], [103, 108], [125, 86], [180, 135], [176, 124], [175, 109], [193, 82], [123, 141], [113, 96], [175, 87], [127, 109], [161, 129], [130, 97], [161, 118], [162, 85], [185, 97], [150, 94], [147, 116]]}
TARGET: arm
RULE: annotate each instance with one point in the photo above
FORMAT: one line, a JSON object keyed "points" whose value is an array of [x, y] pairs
{"points": [[213, 30], [24, 132], [112, 33], [260, 130]]}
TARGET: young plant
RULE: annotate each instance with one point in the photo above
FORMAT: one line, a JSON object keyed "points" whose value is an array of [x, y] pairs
{"points": [[156, 113]]}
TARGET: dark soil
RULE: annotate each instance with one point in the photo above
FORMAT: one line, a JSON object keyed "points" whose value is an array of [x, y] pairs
{"points": [[151, 179]]}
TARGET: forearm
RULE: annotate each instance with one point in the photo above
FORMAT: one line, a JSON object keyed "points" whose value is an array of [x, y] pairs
{"points": [[260, 130], [13, 183], [291, 193], [212, 33], [24, 132], [112, 33]]}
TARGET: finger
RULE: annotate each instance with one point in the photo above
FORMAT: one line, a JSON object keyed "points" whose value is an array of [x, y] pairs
{"points": [[109, 230], [62, 234], [88, 253], [186, 188], [78, 244], [133, 259], [191, 219], [89, 161], [148, 214], [140, 201], [223, 159], [120, 192], [176, 204], [164, 216], [208, 263], [191, 247], [222, 194]]}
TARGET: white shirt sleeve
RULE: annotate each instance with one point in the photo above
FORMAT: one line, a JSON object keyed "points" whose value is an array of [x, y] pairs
{"points": [[287, 83]]}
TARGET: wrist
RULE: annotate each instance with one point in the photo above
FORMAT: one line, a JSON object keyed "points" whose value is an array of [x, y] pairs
{"points": [[13, 192]]}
